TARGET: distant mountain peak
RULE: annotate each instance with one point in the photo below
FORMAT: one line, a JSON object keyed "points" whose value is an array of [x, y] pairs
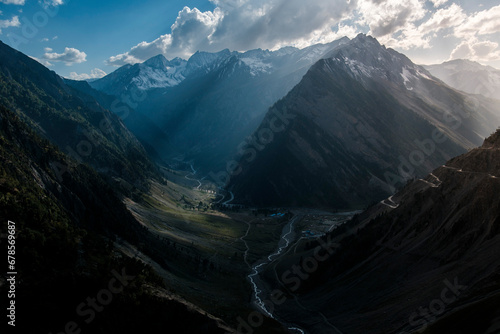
{"points": [[468, 76], [158, 61], [363, 38], [159, 72], [349, 108], [365, 58]]}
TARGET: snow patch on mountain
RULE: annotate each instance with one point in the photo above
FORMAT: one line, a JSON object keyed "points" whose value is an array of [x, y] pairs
{"points": [[423, 75], [257, 66], [407, 76], [359, 69], [315, 52], [150, 77], [468, 76]]}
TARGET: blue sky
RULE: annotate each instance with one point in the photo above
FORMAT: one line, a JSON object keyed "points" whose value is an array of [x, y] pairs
{"points": [[88, 38]]}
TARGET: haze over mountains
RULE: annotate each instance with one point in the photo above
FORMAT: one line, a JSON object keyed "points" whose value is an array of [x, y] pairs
{"points": [[294, 135], [363, 115], [468, 76], [71, 119], [428, 252], [200, 110], [203, 112], [66, 164]]}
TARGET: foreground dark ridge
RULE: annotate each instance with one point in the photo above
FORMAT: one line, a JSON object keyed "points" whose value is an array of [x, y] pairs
{"points": [[424, 259], [361, 123], [65, 230]]}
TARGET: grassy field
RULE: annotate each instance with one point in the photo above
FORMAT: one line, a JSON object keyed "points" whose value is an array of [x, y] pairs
{"points": [[205, 249]]}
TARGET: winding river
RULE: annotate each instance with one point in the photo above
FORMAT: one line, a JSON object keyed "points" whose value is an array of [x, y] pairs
{"points": [[287, 237]]}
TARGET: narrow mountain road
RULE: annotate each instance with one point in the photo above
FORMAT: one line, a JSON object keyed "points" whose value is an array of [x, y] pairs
{"points": [[193, 173], [224, 196], [229, 200], [389, 202], [432, 185], [471, 172]]}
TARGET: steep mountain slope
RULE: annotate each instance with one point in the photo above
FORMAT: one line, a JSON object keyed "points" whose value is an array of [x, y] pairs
{"points": [[64, 252], [361, 123], [424, 260], [221, 100], [71, 119], [85, 90], [468, 76]]}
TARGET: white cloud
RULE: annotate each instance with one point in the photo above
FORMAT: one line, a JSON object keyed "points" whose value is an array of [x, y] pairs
{"points": [[445, 18], [45, 39], [438, 3], [387, 17], [481, 51], [14, 22], [327, 35], [13, 2], [48, 49], [395, 23], [475, 34], [41, 61], [485, 22], [53, 3], [408, 38], [410, 25], [242, 25], [70, 56], [96, 73]]}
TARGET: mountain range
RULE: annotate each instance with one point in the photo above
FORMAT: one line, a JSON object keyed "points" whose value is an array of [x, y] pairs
{"points": [[421, 261], [139, 171], [468, 76], [71, 119], [362, 122], [66, 165], [200, 110], [370, 112]]}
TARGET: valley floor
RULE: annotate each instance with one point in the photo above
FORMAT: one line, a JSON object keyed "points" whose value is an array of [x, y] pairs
{"points": [[212, 256]]}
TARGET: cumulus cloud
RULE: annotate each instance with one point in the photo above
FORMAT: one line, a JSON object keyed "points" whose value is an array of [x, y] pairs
{"points": [[246, 24], [14, 22], [476, 50], [42, 61], [53, 3], [474, 33], [242, 25], [407, 38], [445, 18], [96, 73], [70, 56], [485, 22], [387, 17], [438, 3], [13, 2]]}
